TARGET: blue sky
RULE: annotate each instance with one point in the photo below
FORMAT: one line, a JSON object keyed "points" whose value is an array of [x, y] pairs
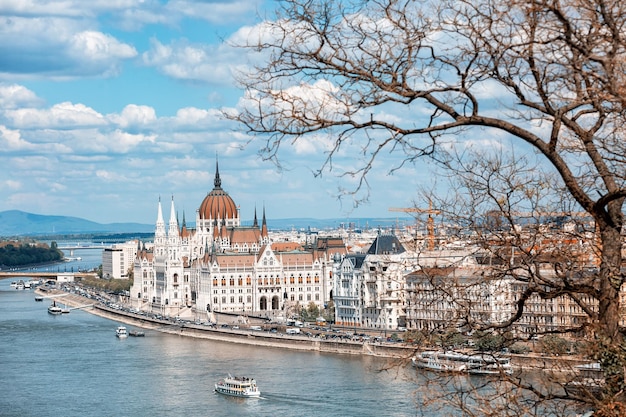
{"points": [[107, 106]]}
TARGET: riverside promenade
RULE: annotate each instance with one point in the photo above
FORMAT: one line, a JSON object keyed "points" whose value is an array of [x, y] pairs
{"points": [[397, 351]]}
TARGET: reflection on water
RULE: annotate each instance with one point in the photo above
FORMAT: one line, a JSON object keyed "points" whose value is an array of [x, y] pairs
{"points": [[73, 365]]}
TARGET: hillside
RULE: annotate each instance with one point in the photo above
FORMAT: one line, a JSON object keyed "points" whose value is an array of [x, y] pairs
{"points": [[19, 223]]}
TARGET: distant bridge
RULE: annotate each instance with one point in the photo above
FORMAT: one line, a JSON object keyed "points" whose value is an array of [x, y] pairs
{"points": [[44, 275], [84, 246]]}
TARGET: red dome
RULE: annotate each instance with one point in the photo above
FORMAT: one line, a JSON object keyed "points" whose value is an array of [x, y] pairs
{"points": [[218, 204]]}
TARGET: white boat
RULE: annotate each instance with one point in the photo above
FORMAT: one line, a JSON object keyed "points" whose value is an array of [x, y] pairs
{"points": [[238, 386], [489, 365], [456, 362], [588, 380], [13, 284], [121, 332], [19, 285], [54, 309]]}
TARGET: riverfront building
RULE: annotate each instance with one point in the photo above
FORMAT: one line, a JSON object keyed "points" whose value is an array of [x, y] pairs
{"points": [[119, 260], [222, 266], [389, 287]]}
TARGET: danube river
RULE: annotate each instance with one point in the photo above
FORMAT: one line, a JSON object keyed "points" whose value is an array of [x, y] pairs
{"points": [[73, 365]]}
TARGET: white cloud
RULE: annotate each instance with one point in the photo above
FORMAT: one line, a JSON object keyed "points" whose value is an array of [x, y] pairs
{"points": [[122, 142], [58, 47], [109, 176], [216, 12], [63, 115], [14, 96], [185, 61], [99, 49], [11, 140], [134, 116], [11, 185]]}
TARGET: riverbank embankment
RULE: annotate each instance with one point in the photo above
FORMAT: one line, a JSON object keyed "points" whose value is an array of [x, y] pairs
{"points": [[398, 351], [243, 336]]}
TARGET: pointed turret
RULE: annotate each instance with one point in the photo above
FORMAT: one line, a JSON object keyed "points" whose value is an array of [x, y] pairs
{"points": [[159, 233], [256, 222], [173, 219], [173, 234]]}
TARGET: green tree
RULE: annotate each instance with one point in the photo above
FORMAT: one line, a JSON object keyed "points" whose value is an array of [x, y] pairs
{"points": [[555, 345], [545, 80], [489, 342]]}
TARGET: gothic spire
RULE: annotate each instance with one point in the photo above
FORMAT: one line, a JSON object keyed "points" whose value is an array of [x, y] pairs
{"points": [[217, 182], [256, 222], [264, 233]]}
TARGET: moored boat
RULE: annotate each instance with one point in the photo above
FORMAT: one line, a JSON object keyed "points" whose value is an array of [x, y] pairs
{"points": [[136, 333], [588, 380], [456, 362], [121, 332], [238, 386], [54, 309]]}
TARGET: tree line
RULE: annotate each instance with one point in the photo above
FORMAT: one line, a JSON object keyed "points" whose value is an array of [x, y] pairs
{"points": [[16, 254]]}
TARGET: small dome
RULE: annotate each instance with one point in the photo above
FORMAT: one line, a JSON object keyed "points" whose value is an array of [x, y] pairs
{"points": [[218, 204]]}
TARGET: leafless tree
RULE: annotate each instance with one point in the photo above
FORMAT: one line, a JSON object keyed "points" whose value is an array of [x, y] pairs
{"points": [[549, 76]]}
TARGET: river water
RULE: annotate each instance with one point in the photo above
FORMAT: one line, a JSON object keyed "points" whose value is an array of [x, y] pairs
{"points": [[73, 365]]}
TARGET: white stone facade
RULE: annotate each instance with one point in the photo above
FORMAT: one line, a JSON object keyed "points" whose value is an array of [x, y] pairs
{"points": [[221, 266]]}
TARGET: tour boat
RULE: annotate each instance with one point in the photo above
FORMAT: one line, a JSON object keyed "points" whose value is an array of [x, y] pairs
{"points": [[456, 362], [121, 332], [54, 309], [238, 386], [136, 333], [589, 379]]}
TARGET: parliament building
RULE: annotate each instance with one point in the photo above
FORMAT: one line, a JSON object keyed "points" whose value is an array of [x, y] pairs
{"points": [[219, 265]]}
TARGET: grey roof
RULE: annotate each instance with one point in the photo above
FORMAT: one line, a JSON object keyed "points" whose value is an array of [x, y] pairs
{"points": [[386, 245], [356, 259]]}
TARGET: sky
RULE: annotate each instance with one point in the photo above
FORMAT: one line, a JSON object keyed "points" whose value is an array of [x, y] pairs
{"points": [[108, 106]]}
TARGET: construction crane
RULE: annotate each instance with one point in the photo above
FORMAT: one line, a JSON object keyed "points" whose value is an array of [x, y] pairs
{"points": [[430, 227]]}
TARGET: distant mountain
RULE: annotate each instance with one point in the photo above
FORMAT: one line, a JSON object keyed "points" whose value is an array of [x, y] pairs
{"points": [[19, 223]]}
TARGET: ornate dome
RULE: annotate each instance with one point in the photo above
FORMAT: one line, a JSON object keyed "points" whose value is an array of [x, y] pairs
{"points": [[218, 204]]}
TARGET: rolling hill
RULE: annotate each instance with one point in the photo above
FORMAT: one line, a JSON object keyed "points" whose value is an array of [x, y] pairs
{"points": [[20, 223]]}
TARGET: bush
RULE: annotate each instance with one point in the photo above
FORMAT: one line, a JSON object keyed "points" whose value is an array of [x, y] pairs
{"points": [[519, 349]]}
